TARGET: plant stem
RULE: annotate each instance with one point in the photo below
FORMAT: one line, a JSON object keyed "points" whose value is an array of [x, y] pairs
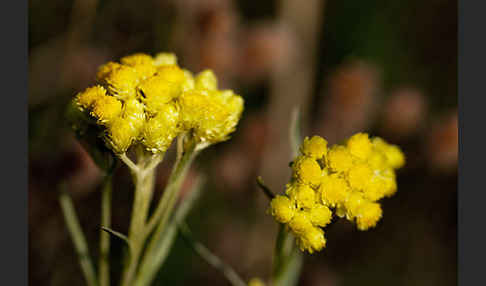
{"points": [[167, 203], [144, 177], [287, 260], [77, 237], [148, 269], [104, 258]]}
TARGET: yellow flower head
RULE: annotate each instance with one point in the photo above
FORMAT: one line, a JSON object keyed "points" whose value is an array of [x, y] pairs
{"points": [[307, 171], [142, 63], [377, 160], [171, 73], [303, 195], [106, 109], [206, 80], [320, 215], [368, 215], [87, 98], [393, 154], [159, 131], [359, 145], [121, 134], [134, 111], [156, 92], [210, 115], [189, 82], [359, 176], [353, 203], [312, 240], [300, 223], [106, 69], [122, 81], [282, 209], [162, 59], [137, 59], [339, 159], [333, 190], [315, 147], [376, 188]]}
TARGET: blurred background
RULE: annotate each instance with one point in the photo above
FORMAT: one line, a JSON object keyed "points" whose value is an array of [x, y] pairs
{"points": [[384, 67]]}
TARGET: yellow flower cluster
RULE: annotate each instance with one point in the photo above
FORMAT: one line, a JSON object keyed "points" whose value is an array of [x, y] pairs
{"points": [[151, 100], [348, 179]]}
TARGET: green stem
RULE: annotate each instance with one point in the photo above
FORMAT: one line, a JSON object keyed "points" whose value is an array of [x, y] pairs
{"points": [[144, 177], [287, 259], [104, 258], [167, 203], [77, 237], [148, 269]]}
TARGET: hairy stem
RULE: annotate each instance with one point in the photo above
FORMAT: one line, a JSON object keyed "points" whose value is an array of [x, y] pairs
{"points": [[144, 177], [104, 258], [148, 269], [167, 203]]}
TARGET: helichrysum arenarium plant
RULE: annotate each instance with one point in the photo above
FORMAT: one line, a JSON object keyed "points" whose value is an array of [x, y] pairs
{"points": [[341, 181], [344, 180], [138, 107]]}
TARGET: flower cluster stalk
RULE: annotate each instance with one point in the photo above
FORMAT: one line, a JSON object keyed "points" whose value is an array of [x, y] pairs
{"points": [[104, 259], [164, 210]]}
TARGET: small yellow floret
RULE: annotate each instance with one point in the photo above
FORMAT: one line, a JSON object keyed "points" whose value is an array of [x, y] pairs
{"points": [[156, 92], [121, 134], [206, 80], [172, 74], [359, 176], [394, 155], [159, 131], [133, 110], [300, 223], [320, 215], [377, 160], [333, 190], [122, 81], [106, 69], [360, 145], [87, 98], [142, 63], [162, 59], [106, 109], [315, 147], [339, 159], [137, 59], [390, 181], [376, 188], [282, 209], [368, 215], [211, 115], [189, 82], [307, 171], [303, 195], [353, 203], [312, 240]]}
